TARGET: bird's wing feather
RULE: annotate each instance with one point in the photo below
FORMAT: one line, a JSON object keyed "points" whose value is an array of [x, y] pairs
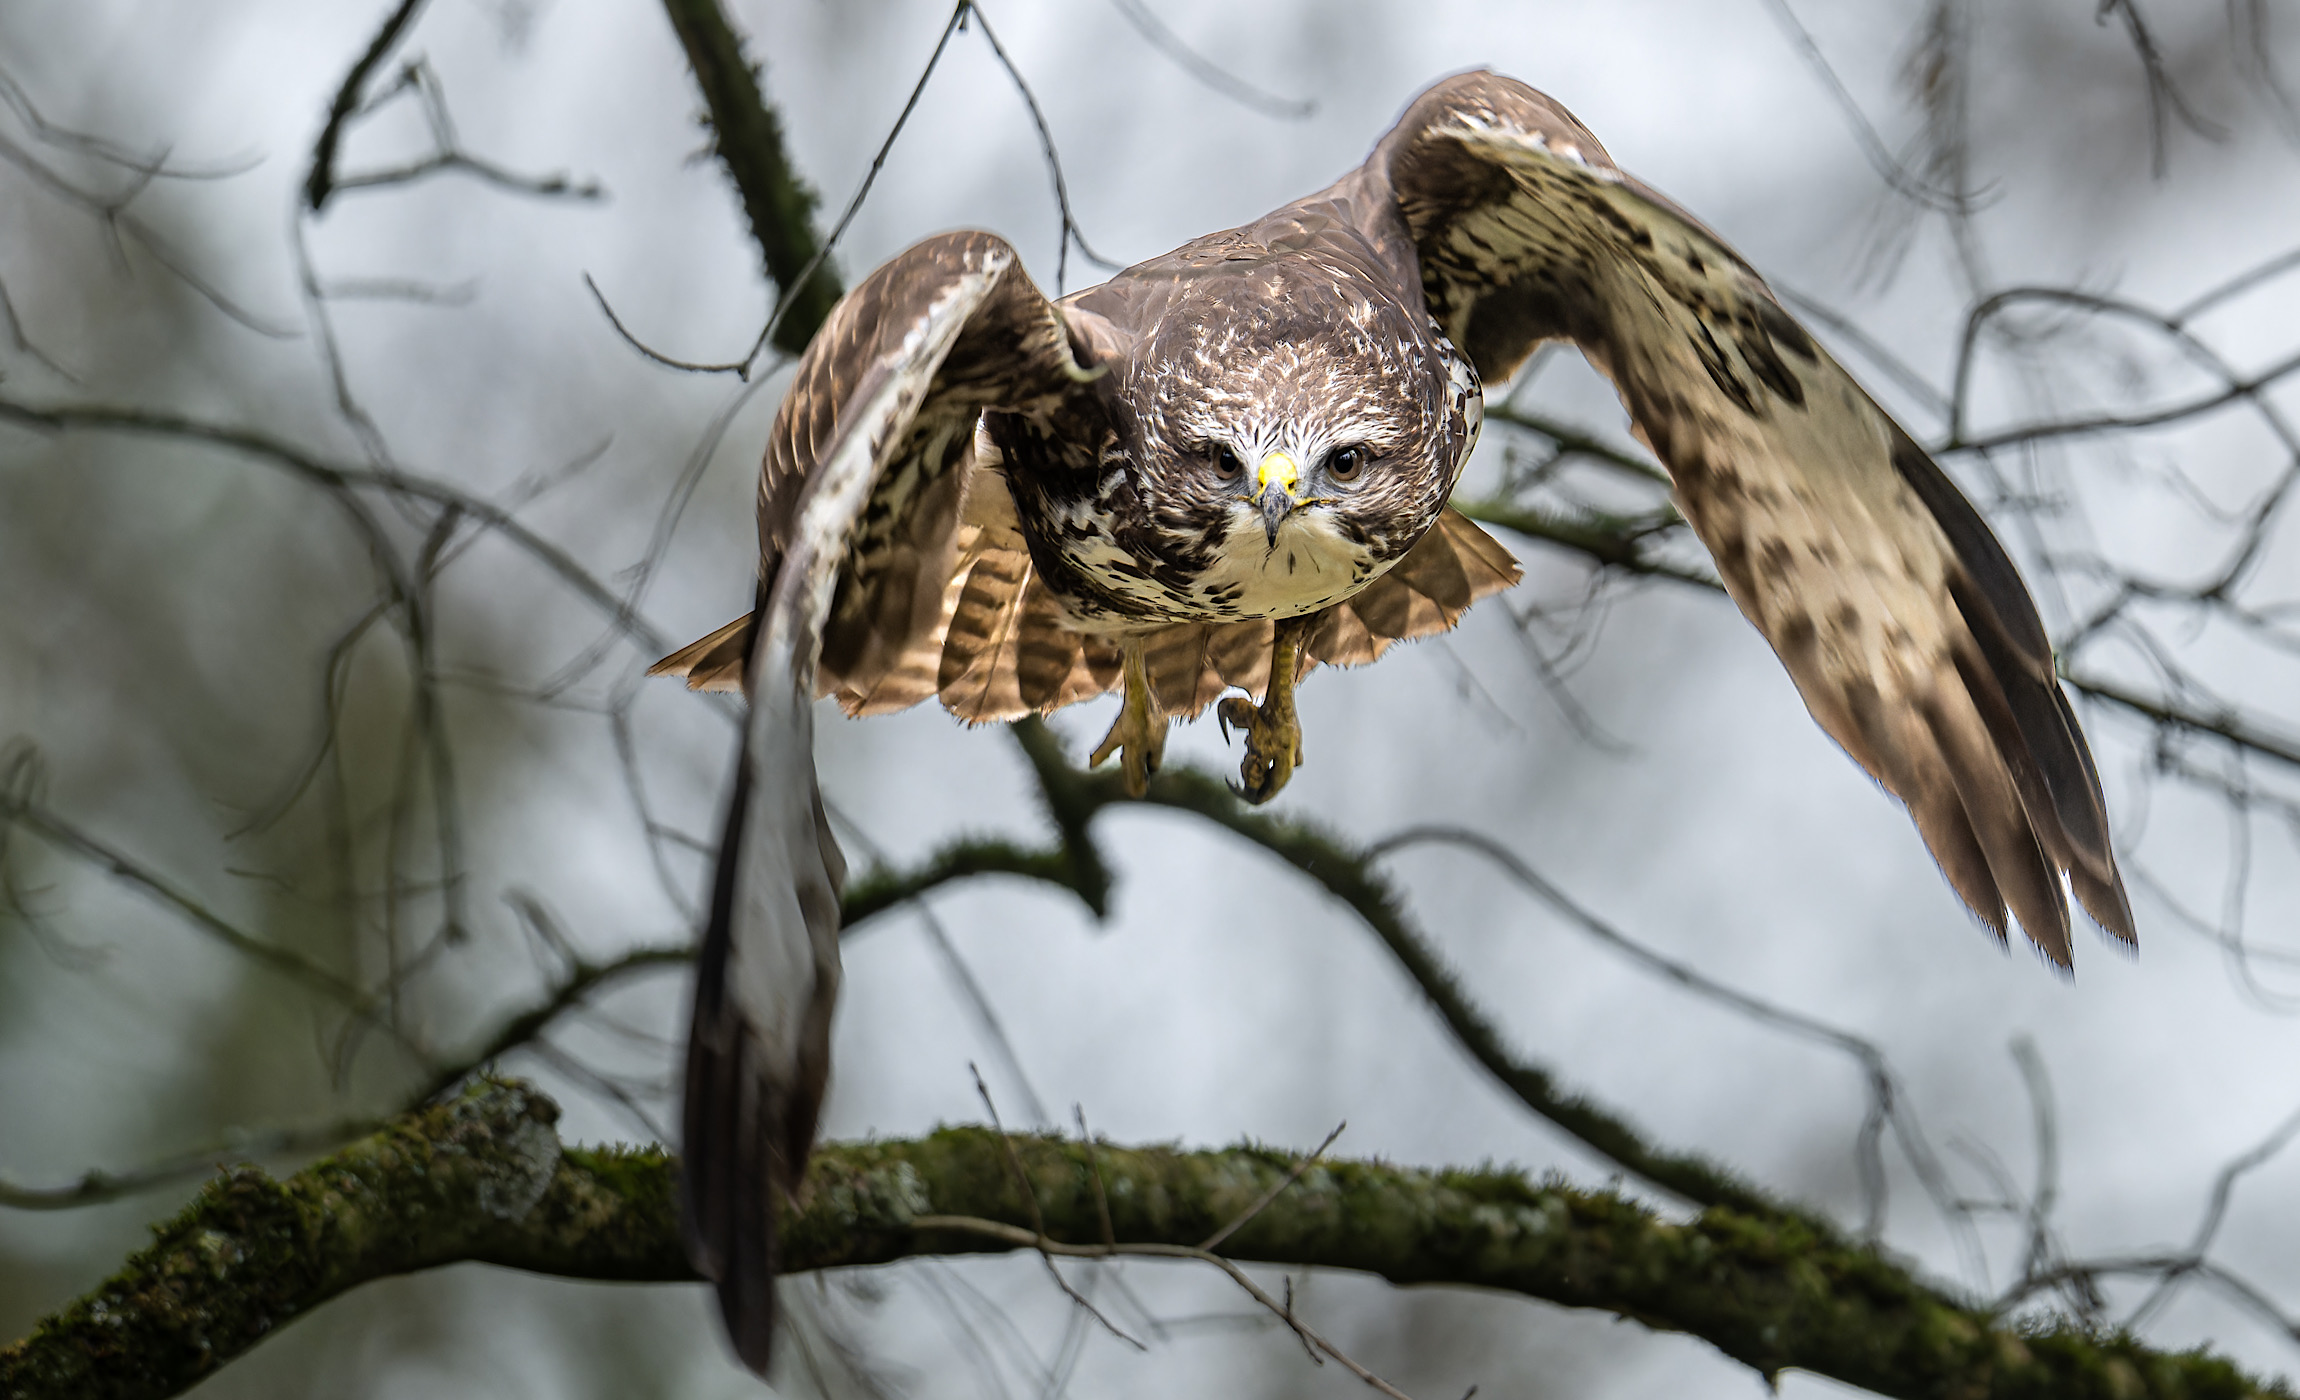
{"points": [[714, 662], [1426, 592], [1895, 610], [876, 419]]}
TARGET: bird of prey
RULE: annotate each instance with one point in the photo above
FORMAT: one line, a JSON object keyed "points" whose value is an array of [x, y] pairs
{"points": [[1229, 463]]}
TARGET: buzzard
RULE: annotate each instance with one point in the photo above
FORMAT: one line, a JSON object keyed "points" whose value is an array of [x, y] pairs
{"points": [[1230, 463]]}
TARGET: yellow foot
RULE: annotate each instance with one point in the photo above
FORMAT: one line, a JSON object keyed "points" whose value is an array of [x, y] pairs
{"points": [[1140, 733], [1273, 741], [1273, 735]]}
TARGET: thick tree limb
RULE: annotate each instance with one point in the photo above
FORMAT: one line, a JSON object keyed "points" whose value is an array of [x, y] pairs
{"points": [[484, 1178], [749, 140]]}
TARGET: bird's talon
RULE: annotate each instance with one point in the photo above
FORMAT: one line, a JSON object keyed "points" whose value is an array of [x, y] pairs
{"points": [[1138, 735], [1234, 710], [1273, 746]]}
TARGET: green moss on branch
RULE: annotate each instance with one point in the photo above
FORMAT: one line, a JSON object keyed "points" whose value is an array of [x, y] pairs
{"points": [[882, 888], [481, 1177], [749, 140], [484, 1178]]}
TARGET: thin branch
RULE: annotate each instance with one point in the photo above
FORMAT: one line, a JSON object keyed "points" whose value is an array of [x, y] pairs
{"points": [[1277, 1189], [103, 418], [321, 181], [2223, 723], [99, 1187], [1008, 1234], [1887, 1102], [400, 289], [65, 836], [18, 337], [1147, 24], [2165, 99], [1045, 1245], [739, 368], [2234, 287], [583, 980], [1580, 442], [2096, 424], [1071, 233], [558, 186], [113, 217], [2215, 1214], [1865, 136], [146, 167], [1616, 543]]}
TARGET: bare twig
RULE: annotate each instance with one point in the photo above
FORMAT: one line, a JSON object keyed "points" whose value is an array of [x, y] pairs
{"points": [[321, 180], [992, 1229], [1205, 70], [1881, 160], [1071, 233], [2165, 100], [66, 836], [1277, 1189], [1045, 1246], [98, 1187], [1887, 1101]]}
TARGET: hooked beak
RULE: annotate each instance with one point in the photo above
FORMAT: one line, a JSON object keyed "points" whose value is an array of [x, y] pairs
{"points": [[1278, 477]]}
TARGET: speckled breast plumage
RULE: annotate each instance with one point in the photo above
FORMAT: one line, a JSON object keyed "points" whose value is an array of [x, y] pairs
{"points": [[1259, 340]]}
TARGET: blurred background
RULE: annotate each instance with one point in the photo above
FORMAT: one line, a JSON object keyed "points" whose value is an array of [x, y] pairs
{"points": [[323, 698]]}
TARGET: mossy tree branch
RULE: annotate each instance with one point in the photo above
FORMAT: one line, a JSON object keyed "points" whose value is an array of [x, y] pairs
{"points": [[749, 140], [484, 1178]]}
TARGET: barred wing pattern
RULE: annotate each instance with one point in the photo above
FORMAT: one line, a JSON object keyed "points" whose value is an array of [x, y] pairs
{"points": [[866, 462], [1000, 649], [1899, 616]]}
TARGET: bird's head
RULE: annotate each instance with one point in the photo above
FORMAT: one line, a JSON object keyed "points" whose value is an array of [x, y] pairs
{"points": [[1317, 428]]}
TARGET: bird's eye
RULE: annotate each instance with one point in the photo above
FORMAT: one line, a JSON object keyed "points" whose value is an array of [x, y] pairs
{"points": [[1226, 463], [1345, 463]]}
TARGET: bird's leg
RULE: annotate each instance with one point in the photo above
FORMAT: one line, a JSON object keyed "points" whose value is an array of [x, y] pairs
{"points": [[1273, 734], [1140, 732]]}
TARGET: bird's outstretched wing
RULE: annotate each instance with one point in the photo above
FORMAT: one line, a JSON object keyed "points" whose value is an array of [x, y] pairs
{"points": [[1897, 613], [861, 496]]}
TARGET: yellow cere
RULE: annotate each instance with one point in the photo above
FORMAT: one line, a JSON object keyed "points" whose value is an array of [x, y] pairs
{"points": [[1278, 469]]}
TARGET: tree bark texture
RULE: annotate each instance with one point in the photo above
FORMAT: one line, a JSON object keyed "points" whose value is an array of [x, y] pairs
{"points": [[748, 137], [483, 1177]]}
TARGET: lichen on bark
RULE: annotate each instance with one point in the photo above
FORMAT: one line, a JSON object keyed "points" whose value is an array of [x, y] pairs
{"points": [[482, 1177]]}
